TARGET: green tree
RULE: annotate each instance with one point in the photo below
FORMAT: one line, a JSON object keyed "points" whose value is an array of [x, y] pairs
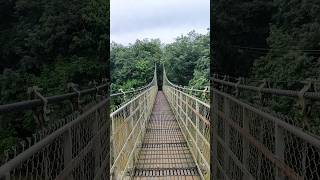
{"points": [[239, 25], [132, 66], [187, 58], [47, 44], [295, 29]]}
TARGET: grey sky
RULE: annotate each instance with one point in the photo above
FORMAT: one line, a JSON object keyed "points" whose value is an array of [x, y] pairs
{"points": [[163, 19]]}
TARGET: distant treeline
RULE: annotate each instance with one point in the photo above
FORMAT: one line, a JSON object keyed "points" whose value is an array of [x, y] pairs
{"points": [[186, 61]]}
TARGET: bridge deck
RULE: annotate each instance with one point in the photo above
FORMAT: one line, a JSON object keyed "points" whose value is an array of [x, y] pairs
{"points": [[164, 153]]}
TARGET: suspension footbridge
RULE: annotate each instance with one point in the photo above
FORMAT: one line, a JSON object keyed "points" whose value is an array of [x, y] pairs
{"points": [[158, 143], [172, 133]]}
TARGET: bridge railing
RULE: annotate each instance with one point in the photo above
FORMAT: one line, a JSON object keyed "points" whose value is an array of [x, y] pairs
{"points": [[121, 97], [47, 113], [79, 149], [201, 94], [128, 128], [252, 143], [194, 119], [47, 110], [75, 146]]}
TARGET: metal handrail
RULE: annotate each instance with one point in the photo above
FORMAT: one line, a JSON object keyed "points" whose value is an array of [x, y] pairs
{"points": [[23, 158], [59, 151], [257, 144], [30, 104], [128, 129], [139, 89], [274, 91], [194, 120], [186, 88]]}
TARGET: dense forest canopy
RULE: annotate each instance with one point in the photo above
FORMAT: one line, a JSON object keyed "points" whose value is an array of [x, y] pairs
{"points": [[133, 65], [241, 23], [48, 44], [267, 39], [186, 61], [278, 41], [294, 31]]}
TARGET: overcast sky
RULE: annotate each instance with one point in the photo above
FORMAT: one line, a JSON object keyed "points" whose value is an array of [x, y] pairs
{"points": [[163, 19]]}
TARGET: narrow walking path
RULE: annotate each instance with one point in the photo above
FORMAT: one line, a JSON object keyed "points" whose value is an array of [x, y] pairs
{"points": [[164, 153]]}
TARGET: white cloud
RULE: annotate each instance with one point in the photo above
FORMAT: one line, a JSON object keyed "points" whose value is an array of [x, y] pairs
{"points": [[163, 19]]}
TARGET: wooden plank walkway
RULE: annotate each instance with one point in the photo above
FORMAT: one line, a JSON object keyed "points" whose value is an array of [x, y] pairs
{"points": [[164, 153]]}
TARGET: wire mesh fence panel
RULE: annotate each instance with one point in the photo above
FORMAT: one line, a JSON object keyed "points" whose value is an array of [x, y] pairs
{"points": [[128, 129], [74, 150], [77, 146], [193, 116], [255, 144]]}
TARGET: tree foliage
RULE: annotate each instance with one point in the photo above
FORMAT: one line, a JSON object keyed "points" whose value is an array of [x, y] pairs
{"points": [[295, 29], [238, 25], [132, 66], [186, 61], [39, 36], [48, 44], [267, 39], [274, 40]]}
